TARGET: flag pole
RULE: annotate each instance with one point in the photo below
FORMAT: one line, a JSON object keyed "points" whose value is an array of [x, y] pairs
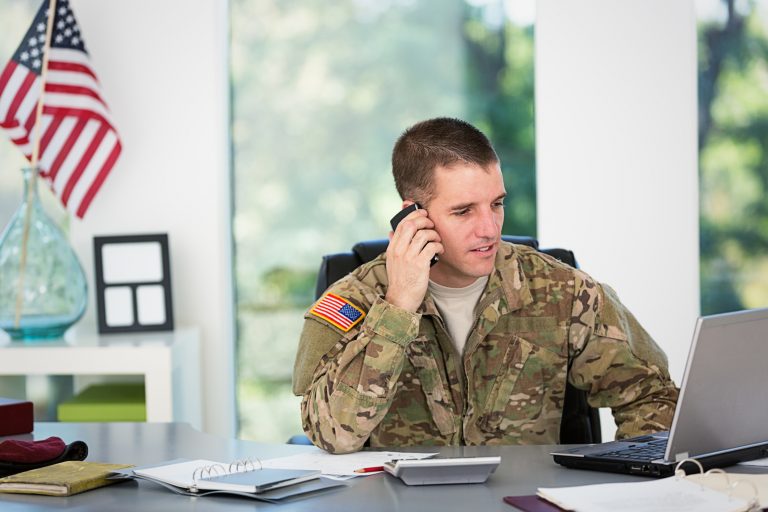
{"points": [[35, 158]]}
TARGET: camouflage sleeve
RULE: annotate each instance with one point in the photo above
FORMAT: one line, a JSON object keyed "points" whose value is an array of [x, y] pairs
{"points": [[617, 362], [347, 380]]}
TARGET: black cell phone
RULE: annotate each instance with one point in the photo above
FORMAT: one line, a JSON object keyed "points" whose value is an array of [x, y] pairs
{"points": [[403, 214]]}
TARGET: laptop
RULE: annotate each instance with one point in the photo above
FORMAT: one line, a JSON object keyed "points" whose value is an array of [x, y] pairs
{"points": [[722, 412]]}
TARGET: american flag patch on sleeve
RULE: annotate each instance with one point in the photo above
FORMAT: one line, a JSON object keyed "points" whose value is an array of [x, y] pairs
{"points": [[337, 311]]}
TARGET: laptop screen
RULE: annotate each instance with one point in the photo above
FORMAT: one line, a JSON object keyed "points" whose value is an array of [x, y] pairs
{"points": [[723, 401]]}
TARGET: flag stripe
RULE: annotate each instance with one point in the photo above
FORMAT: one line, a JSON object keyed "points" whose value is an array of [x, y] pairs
{"points": [[103, 172], [71, 66], [341, 325], [28, 106], [50, 127], [76, 102], [332, 299], [26, 147], [332, 313], [83, 162], [72, 78], [63, 153], [73, 158], [72, 56], [48, 157], [74, 112], [30, 123], [329, 304], [45, 122], [95, 173], [9, 124], [21, 93], [9, 93], [17, 133], [4, 78], [20, 134], [74, 90]]}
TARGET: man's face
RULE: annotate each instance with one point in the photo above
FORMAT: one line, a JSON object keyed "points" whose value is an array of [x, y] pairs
{"points": [[468, 211]]}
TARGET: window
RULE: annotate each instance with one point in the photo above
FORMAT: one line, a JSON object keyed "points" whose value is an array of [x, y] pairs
{"points": [[321, 90], [733, 154]]}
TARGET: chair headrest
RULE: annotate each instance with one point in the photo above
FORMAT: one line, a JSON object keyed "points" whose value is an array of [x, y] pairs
{"points": [[521, 240], [369, 249]]}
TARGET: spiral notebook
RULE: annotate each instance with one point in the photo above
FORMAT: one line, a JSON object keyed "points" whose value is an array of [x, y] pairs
{"points": [[713, 491], [202, 477]]}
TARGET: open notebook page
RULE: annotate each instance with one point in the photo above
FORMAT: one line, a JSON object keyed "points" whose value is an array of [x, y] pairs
{"points": [[671, 494]]}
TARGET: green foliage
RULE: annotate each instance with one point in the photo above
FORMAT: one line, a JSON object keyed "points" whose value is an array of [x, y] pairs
{"points": [[733, 141], [500, 103], [288, 287], [321, 91]]}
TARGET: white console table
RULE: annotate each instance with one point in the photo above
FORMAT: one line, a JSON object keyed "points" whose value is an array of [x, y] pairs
{"points": [[168, 361]]}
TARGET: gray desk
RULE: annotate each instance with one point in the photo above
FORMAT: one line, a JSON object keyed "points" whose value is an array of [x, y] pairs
{"points": [[522, 470]]}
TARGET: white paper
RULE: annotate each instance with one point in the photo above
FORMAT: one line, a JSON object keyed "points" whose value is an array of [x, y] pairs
{"points": [[745, 491], [671, 494], [757, 462], [340, 465]]}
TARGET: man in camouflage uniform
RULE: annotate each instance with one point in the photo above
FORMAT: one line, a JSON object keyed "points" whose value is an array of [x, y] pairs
{"points": [[384, 358]]}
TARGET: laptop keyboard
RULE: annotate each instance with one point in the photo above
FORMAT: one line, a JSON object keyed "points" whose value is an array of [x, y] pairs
{"points": [[643, 452]]}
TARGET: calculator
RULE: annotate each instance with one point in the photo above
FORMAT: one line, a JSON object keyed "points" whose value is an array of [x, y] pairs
{"points": [[454, 470]]}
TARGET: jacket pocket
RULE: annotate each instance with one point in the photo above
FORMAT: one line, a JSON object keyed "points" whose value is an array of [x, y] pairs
{"points": [[517, 390], [436, 394]]}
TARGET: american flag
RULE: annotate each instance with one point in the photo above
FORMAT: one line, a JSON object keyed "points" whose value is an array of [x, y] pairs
{"points": [[79, 144], [338, 311]]}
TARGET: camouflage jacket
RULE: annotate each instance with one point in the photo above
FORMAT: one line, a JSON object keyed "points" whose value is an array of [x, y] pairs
{"points": [[394, 378]]}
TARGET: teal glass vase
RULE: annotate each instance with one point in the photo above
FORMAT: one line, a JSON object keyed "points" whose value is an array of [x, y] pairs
{"points": [[43, 290]]}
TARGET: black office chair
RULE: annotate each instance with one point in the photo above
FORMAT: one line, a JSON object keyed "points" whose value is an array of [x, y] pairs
{"points": [[580, 423]]}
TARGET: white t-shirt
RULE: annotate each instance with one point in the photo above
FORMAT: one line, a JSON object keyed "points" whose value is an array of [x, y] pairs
{"points": [[457, 307]]}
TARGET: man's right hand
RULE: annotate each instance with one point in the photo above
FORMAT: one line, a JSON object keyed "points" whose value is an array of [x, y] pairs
{"points": [[411, 247]]}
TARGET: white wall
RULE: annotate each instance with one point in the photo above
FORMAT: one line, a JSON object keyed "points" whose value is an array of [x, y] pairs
{"points": [[616, 153], [163, 68]]}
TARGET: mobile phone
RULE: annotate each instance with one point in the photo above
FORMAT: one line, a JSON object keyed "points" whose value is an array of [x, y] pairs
{"points": [[403, 214]]}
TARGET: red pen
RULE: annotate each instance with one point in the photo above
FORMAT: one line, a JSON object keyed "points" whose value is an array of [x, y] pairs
{"points": [[372, 469]]}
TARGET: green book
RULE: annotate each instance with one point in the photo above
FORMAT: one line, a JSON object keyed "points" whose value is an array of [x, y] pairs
{"points": [[106, 402], [62, 479]]}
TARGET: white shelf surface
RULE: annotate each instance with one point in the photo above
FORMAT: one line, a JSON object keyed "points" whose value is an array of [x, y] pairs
{"points": [[168, 361]]}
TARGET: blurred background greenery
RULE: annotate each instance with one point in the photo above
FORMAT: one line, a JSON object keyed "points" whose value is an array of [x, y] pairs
{"points": [[321, 92], [733, 154]]}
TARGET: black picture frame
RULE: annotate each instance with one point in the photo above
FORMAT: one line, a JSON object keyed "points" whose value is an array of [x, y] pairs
{"points": [[133, 283]]}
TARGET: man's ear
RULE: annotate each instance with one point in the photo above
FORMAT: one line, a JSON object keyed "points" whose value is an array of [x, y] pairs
{"points": [[407, 203]]}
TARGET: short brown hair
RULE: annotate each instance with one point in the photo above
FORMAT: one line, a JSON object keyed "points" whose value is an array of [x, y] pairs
{"points": [[434, 143]]}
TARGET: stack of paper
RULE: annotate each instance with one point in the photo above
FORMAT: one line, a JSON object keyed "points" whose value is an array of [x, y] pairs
{"points": [[671, 494], [340, 466]]}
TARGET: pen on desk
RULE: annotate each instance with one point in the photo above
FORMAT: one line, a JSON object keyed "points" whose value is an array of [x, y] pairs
{"points": [[372, 469]]}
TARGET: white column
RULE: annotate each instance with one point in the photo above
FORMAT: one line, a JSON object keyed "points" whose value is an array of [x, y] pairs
{"points": [[617, 178], [163, 67]]}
